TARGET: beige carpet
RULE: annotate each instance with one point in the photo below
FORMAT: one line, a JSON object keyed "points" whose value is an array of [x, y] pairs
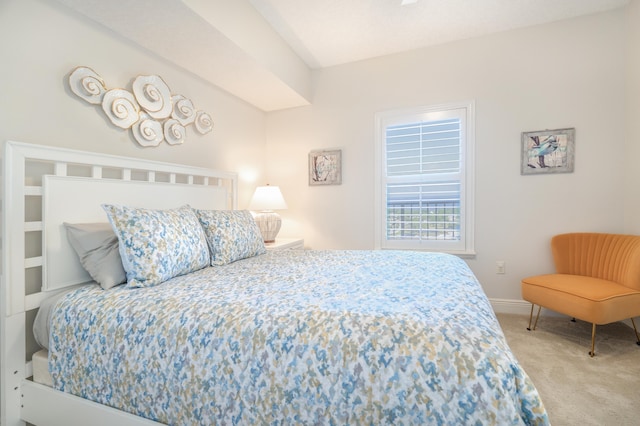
{"points": [[575, 388]]}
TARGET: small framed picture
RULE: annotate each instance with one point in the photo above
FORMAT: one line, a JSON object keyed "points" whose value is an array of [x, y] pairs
{"points": [[325, 167], [548, 151]]}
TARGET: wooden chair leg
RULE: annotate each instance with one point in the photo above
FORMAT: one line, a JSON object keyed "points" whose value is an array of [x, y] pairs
{"points": [[531, 317], [593, 340], [636, 330]]}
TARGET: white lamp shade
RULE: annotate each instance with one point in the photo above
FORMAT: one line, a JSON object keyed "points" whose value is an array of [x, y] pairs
{"points": [[267, 198]]}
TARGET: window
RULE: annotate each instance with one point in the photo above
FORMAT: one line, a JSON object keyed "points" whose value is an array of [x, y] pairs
{"points": [[424, 194]]}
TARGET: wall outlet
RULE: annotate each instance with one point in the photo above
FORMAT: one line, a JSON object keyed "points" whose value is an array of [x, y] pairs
{"points": [[500, 267]]}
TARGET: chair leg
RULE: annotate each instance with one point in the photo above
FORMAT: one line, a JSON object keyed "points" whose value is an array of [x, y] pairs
{"points": [[636, 330], [531, 317], [593, 340]]}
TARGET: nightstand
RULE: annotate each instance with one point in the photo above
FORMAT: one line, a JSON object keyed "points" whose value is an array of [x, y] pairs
{"points": [[286, 244]]}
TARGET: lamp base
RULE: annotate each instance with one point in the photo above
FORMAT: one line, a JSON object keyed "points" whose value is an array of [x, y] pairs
{"points": [[269, 223]]}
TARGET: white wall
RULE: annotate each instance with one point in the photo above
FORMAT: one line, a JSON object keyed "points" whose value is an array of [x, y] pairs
{"points": [[42, 41], [632, 165], [566, 74]]}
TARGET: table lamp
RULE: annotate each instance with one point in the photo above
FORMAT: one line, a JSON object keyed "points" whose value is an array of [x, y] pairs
{"points": [[265, 200]]}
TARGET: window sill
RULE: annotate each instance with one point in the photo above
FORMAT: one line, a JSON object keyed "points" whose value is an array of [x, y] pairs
{"points": [[460, 254]]}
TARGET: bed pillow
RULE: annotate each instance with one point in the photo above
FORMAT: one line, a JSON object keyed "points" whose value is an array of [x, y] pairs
{"points": [[231, 234], [97, 247], [156, 245]]}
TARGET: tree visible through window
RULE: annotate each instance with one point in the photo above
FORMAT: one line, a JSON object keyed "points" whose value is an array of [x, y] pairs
{"points": [[425, 159]]}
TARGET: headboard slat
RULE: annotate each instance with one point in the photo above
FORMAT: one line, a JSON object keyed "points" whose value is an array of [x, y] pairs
{"points": [[60, 169], [32, 226], [34, 191], [32, 262]]}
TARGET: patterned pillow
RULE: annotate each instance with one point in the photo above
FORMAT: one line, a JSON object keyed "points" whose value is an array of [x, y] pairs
{"points": [[231, 234], [156, 245]]}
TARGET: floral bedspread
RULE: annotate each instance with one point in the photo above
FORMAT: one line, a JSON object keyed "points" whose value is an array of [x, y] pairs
{"points": [[297, 337]]}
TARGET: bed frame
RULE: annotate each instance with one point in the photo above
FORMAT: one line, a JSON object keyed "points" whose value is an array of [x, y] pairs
{"points": [[42, 188]]}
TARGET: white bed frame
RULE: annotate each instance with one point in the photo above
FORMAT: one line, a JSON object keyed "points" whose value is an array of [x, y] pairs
{"points": [[70, 186]]}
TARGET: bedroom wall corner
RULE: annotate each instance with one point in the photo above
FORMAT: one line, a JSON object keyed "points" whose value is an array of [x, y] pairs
{"points": [[43, 41], [632, 136]]}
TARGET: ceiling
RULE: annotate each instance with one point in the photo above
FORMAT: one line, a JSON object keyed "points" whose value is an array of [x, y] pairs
{"points": [[263, 51], [331, 32]]}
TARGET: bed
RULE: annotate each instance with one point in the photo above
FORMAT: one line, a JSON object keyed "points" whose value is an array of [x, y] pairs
{"points": [[260, 337]]}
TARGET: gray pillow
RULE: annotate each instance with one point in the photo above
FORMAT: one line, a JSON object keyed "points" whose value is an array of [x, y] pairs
{"points": [[97, 248]]}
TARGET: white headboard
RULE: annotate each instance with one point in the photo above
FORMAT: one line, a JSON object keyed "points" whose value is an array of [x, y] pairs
{"points": [[70, 186], [79, 200], [45, 186]]}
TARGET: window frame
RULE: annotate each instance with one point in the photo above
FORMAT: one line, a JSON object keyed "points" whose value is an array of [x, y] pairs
{"points": [[465, 246]]}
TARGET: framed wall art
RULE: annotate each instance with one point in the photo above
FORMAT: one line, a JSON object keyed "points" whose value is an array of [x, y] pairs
{"points": [[548, 151], [325, 167]]}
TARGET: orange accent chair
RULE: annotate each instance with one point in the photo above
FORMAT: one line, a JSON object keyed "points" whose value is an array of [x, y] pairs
{"points": [[597, 280]]}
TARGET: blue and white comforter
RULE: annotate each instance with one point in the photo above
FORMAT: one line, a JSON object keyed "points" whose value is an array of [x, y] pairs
{"points": [[297, 337]]}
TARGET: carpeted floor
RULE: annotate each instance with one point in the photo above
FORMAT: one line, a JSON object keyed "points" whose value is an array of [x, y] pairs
{"points": [[575, 388]]}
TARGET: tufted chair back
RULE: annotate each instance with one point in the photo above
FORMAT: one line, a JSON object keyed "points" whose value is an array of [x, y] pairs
{"points": [[613, 257]]}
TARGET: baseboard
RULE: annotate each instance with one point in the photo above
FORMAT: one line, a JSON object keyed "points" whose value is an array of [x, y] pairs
{"points": [[518, 307], [510, 306]]}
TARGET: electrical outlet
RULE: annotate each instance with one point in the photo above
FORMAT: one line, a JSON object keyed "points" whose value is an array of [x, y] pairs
{"points": [[500, 267]]}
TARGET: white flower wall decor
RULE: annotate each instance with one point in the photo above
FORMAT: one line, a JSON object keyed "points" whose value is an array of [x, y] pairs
{"points": [[149, 110]]}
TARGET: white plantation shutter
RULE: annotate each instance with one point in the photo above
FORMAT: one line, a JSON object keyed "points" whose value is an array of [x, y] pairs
{"points": [[423, 190], [423, 148]]}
